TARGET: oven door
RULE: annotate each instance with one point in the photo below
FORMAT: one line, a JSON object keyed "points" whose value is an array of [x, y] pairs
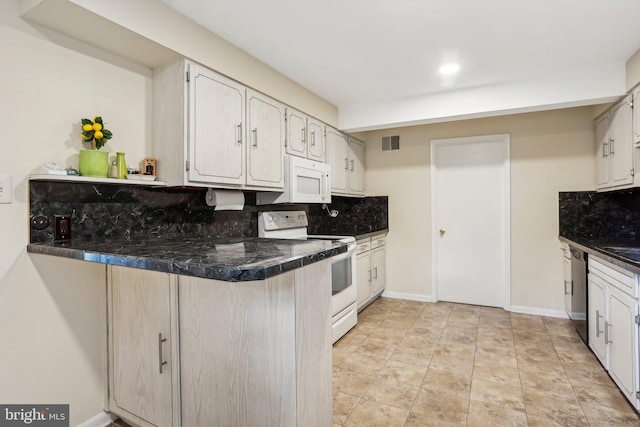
{"points": [[343, 280]]}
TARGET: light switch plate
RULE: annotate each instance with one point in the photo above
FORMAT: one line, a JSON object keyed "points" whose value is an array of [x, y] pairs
{"points": [[6, 189]]}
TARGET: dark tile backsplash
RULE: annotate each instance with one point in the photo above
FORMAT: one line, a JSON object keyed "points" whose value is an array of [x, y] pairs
{"points": [[608, 215], [122, 211]]}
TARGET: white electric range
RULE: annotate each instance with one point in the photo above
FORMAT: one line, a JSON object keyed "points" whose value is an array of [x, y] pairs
{"points": [[344, 294]]}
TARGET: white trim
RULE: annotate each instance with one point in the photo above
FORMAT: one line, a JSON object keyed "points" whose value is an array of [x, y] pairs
{"points": [[101, 420], [402, 295], [506, 140], [538, 311]]}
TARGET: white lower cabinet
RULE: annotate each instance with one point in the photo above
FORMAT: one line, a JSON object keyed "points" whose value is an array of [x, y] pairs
{"points": [[613, 324], [371, 269], [254, 353]]}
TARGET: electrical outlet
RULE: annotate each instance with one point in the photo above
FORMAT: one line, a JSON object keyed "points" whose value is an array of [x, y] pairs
{"points": [[63, 227], [6, 189]]}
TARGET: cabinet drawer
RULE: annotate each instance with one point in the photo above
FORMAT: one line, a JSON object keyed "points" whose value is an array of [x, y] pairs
{"points": [[363, 245], [615, 276], [378, 241]]}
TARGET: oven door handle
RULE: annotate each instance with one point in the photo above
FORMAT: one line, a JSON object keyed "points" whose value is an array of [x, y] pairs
{"points": [[350, 251]]}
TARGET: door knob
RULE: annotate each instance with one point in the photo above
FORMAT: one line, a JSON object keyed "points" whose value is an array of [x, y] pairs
{"points": [[442, 231]]}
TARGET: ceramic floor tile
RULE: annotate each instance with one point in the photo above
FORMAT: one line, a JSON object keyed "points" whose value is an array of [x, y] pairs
{"points": [[504, 395], [403, 372], [518, 370], [343, 405], [391, 392], [350, 382], [497, 374], [443, 407], [370, 414], [485, 414]]}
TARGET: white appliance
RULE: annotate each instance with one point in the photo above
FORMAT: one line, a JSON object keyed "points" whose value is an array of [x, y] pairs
{"points": [[305, 181], [344, 294]]}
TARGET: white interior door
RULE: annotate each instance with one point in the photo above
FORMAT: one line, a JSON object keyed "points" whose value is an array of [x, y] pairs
{"points": [[470, 223]]}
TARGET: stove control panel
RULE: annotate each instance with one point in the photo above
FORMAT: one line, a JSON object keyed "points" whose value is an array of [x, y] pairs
{"points": [[282, 220]]}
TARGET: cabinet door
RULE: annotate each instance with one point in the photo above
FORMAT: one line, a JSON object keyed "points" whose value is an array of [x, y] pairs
{"points": [[622, 336], [316, 142], [636, 115], [621, 144], [597, 317], [265, 129], [216, 119], [356, 167], [141, 338], [296, 133], [603, 163], [338, 158], [378, 273], [568, 286], [363, 272]]}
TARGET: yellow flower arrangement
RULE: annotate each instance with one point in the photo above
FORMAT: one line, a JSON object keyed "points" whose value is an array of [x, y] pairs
{"points": [[94, 131]]}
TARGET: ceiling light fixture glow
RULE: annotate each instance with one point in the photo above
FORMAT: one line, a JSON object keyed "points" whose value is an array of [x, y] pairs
{"points": [[448, 69]]}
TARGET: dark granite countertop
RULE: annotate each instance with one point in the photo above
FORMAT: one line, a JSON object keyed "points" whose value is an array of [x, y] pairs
{"points": [[596, 246], [227, 259]]}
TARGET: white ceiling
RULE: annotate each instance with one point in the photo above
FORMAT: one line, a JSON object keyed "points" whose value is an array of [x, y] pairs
{"points": [[378, 60]]}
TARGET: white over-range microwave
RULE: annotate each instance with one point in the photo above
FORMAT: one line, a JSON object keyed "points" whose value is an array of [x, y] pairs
{"points": [[305, 181]]}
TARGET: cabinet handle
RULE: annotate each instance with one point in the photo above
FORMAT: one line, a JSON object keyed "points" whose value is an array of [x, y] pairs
{"points": [[303, 135], [611, 141], [376, 275], [161, 362], [255, 137], [598, 331], [351, 165], [313, 138], [572, 288], [606, 332], [369, 275], [346, 163], [240, 133], [604, 151], [565, 287]]}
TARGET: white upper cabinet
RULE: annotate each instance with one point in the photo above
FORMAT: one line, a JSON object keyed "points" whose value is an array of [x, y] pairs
{"points": [[209, 130], [338, 158], [265, 142], [636, 115], [615, 155], [215, 138], [356, 167], [305, 136]]}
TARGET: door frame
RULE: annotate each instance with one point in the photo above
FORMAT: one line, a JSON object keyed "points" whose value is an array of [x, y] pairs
{"points": [[506, 142]]}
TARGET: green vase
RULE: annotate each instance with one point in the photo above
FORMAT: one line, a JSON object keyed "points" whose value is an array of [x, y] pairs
{"points": [[94, 163]]}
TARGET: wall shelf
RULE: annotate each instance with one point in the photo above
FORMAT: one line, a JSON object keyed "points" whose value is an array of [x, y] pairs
{"points": [[86, 179]]}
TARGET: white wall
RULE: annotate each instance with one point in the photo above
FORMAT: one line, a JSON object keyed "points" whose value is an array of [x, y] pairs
{"points": [[550, 152], [52, 320]]}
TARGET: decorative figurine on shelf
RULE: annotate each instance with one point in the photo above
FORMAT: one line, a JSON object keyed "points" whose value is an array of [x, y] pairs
{"points": [[93, 162]]}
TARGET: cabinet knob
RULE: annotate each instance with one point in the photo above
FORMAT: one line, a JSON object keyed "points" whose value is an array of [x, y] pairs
{"points": [[442, 231]]}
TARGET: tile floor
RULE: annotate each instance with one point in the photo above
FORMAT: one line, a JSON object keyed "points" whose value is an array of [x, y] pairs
{"points": [[409, 363]]}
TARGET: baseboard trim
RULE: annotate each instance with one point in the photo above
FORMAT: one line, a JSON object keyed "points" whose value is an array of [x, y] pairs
{"points": [[412, 297], [514, 308], [539, 311], [103, 419]]}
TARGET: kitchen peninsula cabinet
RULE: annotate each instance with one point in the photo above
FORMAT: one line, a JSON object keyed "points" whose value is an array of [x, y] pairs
{"points": [[250, 353], [211, 131], [143, 380], [346, 156]]}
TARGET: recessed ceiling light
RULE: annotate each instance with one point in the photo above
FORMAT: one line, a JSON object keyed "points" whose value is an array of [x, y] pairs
{"points": [[450, 68]]}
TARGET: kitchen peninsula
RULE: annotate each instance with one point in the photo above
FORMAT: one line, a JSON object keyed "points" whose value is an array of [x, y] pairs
{"points": [[215, 331]]}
